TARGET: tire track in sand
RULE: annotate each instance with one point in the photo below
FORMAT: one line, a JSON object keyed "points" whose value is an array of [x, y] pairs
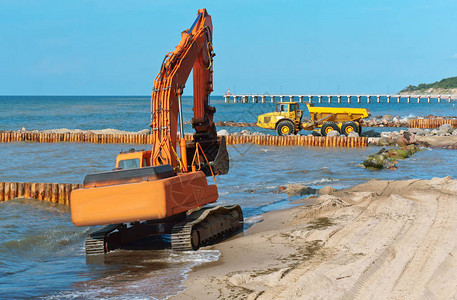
{"points": [[397, 247]]}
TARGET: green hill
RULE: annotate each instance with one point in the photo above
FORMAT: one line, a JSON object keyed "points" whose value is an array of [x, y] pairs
{"points": [[443, 84]]}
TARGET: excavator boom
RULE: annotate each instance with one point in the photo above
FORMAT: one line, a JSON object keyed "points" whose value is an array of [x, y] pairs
{"points": [[193, 53]]}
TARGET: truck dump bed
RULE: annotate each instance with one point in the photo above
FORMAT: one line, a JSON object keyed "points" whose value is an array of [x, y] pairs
{"points": [[333, 114]]}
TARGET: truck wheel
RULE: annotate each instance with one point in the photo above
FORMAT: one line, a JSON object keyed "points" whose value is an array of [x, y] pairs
{"points": [[285, 128], [349, 127], [327, 127]]}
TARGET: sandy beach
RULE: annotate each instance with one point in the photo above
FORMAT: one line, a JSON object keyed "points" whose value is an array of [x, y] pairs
{"points": [[381, 239]]}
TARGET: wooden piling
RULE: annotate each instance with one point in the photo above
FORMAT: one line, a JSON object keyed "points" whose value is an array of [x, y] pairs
{"points": [[20, 189], [52, 192], [2, 191], [431, 123], [34, 190]]}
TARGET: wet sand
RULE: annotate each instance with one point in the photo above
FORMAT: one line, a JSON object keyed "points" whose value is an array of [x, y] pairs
{"points": [[381, 239]]}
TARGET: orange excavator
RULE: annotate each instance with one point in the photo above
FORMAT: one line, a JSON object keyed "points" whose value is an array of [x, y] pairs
{"points": [[158, 192]]}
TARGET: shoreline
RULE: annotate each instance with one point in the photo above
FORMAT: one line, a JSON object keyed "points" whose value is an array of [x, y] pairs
{"points": [[391, 238]]}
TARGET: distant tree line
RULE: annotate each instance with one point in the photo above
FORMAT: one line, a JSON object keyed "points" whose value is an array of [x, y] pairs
{"points": [[447, 83]]}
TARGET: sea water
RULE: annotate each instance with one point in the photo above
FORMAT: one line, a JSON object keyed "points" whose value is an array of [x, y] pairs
{"points": [[42, 253]]}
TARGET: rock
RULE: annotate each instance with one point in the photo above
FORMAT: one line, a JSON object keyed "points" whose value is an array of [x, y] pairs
{"points": [[398, 154], [353, 134], [414, 130], [333, 133], [326, 190], [385, 134], [385, 142], [388, 118], [219, 123], [223, 132], [445, 128], [403, 122], [24, 129], [434, 132], [298, 190], [258, 133], [380, 160], [374, 162], [373, 140], [421, 132], [144, 131], [454, 132], [245, 132], [407, 138]]}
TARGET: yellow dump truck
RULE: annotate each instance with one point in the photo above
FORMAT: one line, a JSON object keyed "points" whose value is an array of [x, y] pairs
{"points": [[287, 119]]}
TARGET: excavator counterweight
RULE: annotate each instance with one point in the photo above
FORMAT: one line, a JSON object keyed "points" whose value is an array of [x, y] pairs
{"points": [[158, 192]]}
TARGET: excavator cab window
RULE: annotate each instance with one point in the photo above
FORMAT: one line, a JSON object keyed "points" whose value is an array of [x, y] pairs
{"points": [[129, 163], [293, 107], [282, 108]]}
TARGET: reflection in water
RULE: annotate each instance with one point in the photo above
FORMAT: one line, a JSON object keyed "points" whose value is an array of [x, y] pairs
{"points": [[138, 273]]}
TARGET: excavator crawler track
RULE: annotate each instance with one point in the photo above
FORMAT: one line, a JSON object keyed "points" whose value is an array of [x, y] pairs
{"points": [[95, 245], [205, 226], [96, 242]]}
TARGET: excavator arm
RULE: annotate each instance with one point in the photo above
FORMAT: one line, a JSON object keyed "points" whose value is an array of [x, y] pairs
{"points": [[194, 52]]}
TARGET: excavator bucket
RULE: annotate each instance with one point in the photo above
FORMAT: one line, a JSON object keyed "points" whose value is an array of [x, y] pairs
{"points": [[214, 152]]}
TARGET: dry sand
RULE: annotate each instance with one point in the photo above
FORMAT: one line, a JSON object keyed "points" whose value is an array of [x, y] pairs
{"points": [[381, 239]]}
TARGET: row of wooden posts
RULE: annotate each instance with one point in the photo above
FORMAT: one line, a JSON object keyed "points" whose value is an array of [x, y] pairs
{"points": [[60, 192], [52, 192], [299, 140], [431, 123], [342, 141]]}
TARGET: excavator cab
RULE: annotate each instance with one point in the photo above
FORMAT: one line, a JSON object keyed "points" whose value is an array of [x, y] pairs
{"points": [[133, 159], [288, 110]]}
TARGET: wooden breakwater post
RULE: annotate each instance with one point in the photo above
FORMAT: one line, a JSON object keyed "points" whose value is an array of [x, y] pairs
{"points": [[341, 141], [431, 123], [52, 192]]}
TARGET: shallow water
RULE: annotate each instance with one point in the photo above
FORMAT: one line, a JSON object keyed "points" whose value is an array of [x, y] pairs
{"points": [[41, 252], [40, 245]]}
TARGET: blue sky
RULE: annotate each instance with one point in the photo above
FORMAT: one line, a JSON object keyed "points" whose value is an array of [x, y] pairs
{"points": [[110, 47]]}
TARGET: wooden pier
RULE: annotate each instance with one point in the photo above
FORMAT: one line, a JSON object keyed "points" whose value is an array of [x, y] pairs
{"points": [[258, 98], [266, 140]]}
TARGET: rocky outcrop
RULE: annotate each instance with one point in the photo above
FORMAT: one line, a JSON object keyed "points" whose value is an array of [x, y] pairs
{"points": [[386, 159], [443, 130], [401, 139], [385, 121]]}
